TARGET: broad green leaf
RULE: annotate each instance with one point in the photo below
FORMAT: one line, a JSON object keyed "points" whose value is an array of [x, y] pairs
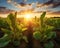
{"points": [[37, 35], [51, 35], [9, 32], [49, 44], [4, 40]]}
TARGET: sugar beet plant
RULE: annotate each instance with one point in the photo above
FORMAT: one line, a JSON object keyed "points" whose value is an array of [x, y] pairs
{"points": [[54, 22], [44, 33], [14, 33]]}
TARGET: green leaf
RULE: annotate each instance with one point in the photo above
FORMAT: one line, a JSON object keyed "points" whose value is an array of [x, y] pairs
{"points": [[11, 17], [25, 38], [37, 35], [24, 29], [4, 40], [3, 23], [43, 15], [49, 44], [12, 20], [7, 31], [51, 35], [42, 20], [16, 43]]}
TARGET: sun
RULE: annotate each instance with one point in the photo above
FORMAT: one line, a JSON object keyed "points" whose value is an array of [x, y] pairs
{"points": [[28, 16]]}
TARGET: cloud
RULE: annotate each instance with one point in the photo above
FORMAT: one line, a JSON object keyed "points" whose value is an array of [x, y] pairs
{"points": [[35, 7], [55, 13], [52, 3], [23, 5], [9, 1], [47, 3], [56, 5], [15, 3]]}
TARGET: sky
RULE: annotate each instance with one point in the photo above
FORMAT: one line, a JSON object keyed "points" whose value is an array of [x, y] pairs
{"points": [[50, 6]]}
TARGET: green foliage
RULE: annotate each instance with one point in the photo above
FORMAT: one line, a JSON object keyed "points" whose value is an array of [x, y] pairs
{"points": [[42, 18], [53, 22], [43, 15], [24, 29], [3, 23], [4, 40], [6, 31], [16, 43], [25, 38], [14, 33], [37, 35], [44, 32], [49, 45]]}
